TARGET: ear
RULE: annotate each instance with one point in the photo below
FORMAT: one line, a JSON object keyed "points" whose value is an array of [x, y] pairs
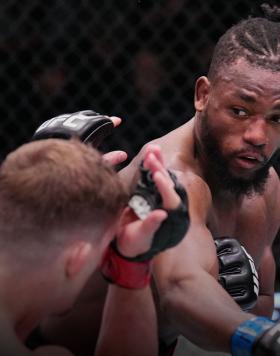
{"points": [[77, 257], [202, 89]]}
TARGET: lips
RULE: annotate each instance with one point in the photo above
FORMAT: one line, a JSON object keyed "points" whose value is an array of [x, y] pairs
{"points": [[249, 160], [251, 156]]}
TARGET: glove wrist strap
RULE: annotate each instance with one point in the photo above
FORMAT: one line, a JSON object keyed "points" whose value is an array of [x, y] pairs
{"points": [[247, 333], [123, 272]]}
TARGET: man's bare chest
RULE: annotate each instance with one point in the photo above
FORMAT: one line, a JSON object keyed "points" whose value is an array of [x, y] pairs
{"points": [[250, 225]]}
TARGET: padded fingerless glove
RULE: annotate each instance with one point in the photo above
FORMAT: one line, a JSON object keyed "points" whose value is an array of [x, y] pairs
{"points": [[135, 272], [88, 126], [237, 272], [146, 198]]}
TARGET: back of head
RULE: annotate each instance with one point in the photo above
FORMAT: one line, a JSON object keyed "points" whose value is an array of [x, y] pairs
{"points": [[256, 39], [54, 186]]}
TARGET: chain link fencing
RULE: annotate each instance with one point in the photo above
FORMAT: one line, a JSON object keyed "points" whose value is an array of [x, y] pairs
{"points": [[137, 59]]}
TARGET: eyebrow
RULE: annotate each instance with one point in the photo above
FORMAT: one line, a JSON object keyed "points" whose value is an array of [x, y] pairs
{"points": [[276, 107], [246, 97]]}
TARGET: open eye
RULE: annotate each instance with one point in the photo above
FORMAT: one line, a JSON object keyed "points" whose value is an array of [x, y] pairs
{"points": [[239, 112], [275, 118]]}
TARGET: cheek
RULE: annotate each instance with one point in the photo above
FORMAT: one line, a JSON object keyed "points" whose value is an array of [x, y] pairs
{"points": [[216, 127], [231, 143], [226, 131], [274, 141]]}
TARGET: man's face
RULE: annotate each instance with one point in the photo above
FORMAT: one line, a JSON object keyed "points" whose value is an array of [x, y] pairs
{"points": [[240, 127], [220, 166]]}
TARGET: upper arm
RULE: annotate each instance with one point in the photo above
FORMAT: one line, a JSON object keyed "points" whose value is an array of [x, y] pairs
{"points": [[266, 272], [197, 250]]}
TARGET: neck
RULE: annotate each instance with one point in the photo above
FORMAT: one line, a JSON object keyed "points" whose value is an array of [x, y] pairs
{"points": [[18, 303]]}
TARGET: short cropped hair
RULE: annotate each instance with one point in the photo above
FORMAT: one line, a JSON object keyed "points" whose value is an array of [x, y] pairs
{"points": [[256, 39], [57, 185]]}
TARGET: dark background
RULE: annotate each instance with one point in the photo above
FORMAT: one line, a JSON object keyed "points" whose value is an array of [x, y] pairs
{"points": [[135, 59]]}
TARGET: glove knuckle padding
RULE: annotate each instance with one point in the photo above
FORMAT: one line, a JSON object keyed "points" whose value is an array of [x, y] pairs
{"points": [[87, 125], [237, 272], [146, 198]]}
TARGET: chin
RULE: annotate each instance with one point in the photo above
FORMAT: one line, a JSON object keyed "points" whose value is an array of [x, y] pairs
{"points": [[245, 176], [242, 174]]}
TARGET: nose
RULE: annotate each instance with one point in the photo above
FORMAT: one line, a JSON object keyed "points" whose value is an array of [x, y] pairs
{"points": [[256, 133]]}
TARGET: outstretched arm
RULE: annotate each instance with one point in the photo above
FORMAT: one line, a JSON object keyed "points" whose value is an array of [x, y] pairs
{"points": [[129, 325], [186, 277]]}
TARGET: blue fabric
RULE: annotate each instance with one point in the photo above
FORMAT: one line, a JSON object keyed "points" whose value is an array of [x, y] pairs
{"points": [[243, 339]]}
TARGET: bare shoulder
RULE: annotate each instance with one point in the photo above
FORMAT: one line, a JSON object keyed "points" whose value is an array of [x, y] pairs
{"points": [[199, 194], [51, 350], [172, 141]]}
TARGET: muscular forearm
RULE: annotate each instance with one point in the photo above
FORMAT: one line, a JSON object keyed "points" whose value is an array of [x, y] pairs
{"points": [[129, 323], [203, 312]]}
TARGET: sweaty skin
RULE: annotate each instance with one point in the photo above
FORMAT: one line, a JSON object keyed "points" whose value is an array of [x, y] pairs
{"points": [[243, 111]]}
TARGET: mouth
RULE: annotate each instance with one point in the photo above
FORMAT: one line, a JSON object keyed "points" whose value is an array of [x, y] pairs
{"points": [[249, 160]]}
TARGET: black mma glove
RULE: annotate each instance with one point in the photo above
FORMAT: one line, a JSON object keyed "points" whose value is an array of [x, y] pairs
{"points": [[237, 272], [135, 272], [146, 198], [259, 336], [87, 125]]}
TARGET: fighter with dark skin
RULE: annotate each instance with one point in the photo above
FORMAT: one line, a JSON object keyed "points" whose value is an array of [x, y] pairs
{"points": [[223, 157]]}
